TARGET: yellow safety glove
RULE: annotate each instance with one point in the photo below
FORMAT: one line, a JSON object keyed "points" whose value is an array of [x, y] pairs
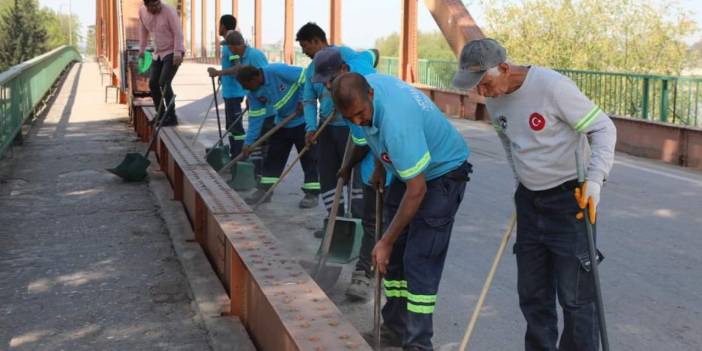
{"points": [[588, 195]]}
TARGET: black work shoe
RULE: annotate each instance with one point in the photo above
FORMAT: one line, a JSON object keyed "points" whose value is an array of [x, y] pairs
{"points": [[309, 201], [388, 338], [256, 196]]}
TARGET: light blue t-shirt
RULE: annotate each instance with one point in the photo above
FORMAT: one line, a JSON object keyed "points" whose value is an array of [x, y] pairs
{"points": [[252, 56], [279, 94], [409, 134], [359, 62], [368, 162]]}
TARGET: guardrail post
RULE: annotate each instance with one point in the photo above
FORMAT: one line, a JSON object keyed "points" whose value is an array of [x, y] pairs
{"points": [[664, 101], [644, 103]]}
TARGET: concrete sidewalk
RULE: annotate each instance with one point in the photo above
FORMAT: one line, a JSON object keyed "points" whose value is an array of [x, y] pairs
{"points": [[86, 262]]}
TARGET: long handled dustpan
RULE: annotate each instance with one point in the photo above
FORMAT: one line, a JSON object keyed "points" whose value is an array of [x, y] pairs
{"points": [[326, 276], [348, 233], [133, 167], [218, 155]]}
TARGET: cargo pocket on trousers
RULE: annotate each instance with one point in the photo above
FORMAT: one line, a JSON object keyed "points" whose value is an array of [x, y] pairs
{"points": [[585, 285], [440, 231]]}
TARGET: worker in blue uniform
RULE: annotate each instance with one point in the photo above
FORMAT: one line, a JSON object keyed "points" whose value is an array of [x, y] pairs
{"points": [[235, 54], [318, 107], [427, 156], [277, 89]]}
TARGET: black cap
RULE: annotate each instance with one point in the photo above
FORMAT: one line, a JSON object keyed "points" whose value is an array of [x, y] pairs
{"points": [[326, 64]]}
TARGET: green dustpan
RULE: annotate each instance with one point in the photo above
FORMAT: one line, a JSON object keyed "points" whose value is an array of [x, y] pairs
{"points": [[144, 63], [218, 156], [133, 167], [243, 176], [346, 242]]}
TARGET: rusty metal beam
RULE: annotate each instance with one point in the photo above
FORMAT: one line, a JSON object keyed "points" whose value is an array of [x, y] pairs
{"points": [[218, 14], [288, 53], [335, 22], [192, 28], [258, 34], [235, 9], [280, 305], [408, 41], [203, 29], [455, 22]]}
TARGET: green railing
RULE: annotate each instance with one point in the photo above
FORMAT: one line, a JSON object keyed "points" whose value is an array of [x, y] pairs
{"points": [[658, 98], [652, 97], [22, 88]]}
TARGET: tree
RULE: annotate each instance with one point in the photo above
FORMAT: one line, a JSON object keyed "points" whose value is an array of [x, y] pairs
{"points": [[608, 35], [432, 45], [57, 28], [24, 35], [90, 41]]}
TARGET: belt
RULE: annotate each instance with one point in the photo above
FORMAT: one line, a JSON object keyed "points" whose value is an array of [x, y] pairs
{"points": [[462, 173], [564, 187]]}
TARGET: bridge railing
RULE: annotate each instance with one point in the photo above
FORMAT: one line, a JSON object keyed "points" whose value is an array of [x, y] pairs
{"points": [[24, 86], [659, 98]]}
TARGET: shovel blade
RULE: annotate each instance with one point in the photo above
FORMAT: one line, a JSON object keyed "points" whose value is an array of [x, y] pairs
{"points": [[327, 276], [132, 168]]}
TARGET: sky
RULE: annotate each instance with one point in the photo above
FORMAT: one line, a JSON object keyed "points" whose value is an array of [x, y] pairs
{"points": [[363, 21]]}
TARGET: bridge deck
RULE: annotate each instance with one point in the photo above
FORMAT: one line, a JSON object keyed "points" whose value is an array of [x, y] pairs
{"points": [[55, 195]]}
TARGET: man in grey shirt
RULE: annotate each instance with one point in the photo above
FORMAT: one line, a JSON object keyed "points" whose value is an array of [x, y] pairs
{"points": [[541, 118]]}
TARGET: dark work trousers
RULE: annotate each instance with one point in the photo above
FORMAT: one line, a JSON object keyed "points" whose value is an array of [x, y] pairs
{"points": [[260, 153], [279, 150], [364, 256], [232, 110], [553, 260], [331, 144], [417, 258], [162, 73]]}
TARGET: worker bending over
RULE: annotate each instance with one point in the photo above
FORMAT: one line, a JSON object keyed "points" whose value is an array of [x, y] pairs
{"points": [[413, 140], [276, 88]]}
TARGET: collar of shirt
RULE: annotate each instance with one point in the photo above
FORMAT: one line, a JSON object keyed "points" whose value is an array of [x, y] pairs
{"points": [[377, 117]]}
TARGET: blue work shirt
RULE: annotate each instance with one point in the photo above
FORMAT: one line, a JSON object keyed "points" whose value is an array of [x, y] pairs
{"points": [[368, 162], [252, 56], [279, 94], [409, 134], [359, 62]]}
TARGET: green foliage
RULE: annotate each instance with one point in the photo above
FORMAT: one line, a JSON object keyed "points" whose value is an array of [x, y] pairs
{"points": [[24, 36], [58, 28], [432, 45], [90, 41], [606, 35]]}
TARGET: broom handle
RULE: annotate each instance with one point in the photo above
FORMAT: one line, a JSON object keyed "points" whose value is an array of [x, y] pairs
{"points": [[204, 119], [158, 128], [290, 167], [488, 283], [329, 234], [378, 276], [226, 133], [216, 103], [258, 142]]}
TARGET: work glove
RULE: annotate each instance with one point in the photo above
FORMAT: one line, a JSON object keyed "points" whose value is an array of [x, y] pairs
{"points": [[588, 195]]}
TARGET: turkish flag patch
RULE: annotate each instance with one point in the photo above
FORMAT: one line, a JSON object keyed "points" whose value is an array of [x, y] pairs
{"points": [[385, 157], [537, 122]]}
